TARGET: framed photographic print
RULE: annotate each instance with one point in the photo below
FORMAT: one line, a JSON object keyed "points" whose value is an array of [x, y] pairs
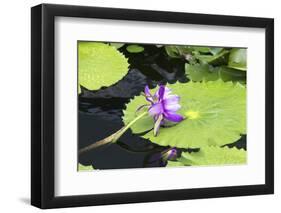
{"points": [[140, 106]]}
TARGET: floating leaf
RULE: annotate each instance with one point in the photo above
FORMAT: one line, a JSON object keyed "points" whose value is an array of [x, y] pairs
{"points": [[215, 114], [238, 59], [214, 156], [219, 58], [178, 51], [229, 74], [117, 45], [84, 168], [142, 125], [205, 72], [200, 72], [209, 55], [201, 49], [206, 50], [100, 65], [79, 89], [134, 48], [174, 163], [215, 50]]}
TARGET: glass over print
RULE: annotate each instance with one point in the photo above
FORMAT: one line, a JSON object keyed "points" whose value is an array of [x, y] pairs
{"points": [[155, 105], [166, 101]]}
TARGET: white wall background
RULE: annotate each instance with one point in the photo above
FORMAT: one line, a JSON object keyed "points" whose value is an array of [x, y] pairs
{"points": [[15, 105]]}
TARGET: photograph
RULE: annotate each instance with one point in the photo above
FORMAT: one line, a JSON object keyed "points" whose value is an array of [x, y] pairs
{"points": [[146, 105], [139, 105]]}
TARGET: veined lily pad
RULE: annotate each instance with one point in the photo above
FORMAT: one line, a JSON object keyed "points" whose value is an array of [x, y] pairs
{"points": [[212, 50], [212, 156], [238, 59], [135, 48], [177, 51], [205, 72], [79, 89], [219, 58], [174, 163], [200, 72], [100, 65], [144, 124], [215, 50], [215, 114], [201, 49], [117, 45]]}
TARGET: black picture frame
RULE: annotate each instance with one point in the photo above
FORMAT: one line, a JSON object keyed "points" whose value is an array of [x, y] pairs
{"points": [[43, 117]]}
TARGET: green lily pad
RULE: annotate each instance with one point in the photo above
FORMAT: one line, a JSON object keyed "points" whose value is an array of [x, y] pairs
{"points": [[205, 72], [174, 163], [100, 65], [177, 51], [84, 168], [200, 72], [215, 114], [210, 55], [117, 45], [217, 59], [143, 124], [238, 59], [206, 50], [79, 89], [134, 48], [216, 50], [229, 74], [214, 156], [201, 49]]}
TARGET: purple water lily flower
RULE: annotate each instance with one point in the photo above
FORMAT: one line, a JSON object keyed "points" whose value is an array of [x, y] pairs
{"points": [[163, 106]]}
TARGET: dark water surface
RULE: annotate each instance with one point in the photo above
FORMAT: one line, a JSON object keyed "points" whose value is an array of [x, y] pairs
{"points": [[100, 112]]}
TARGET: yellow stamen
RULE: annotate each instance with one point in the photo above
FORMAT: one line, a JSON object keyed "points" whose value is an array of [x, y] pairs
{"points": [[192, 114]]}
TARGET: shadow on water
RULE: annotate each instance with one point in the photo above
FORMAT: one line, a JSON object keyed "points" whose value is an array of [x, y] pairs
{"points": [[100, 112]]}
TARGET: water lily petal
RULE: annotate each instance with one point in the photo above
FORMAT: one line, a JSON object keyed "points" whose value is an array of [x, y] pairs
{"points": [[148, 95], [167, 92], [156, 109], [172, 103], [173, 117], [146, 91], [172, 108], [161, 92], [172, 99], [163, 106]]}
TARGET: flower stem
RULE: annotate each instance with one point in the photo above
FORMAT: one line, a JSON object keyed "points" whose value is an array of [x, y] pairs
{"points": [[112, 138], [124, 129]]}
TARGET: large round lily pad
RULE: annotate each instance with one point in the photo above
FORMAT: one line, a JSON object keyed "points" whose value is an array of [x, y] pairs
{"points": [[215, 114], [211, 156], [100, 65]]}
